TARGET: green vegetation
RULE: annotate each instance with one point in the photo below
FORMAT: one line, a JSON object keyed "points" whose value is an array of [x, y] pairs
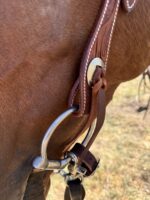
{"points": [[124, 148]]}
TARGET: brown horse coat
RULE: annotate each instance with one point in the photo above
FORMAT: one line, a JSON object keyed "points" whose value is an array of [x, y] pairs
{"points": [[41, 44]]}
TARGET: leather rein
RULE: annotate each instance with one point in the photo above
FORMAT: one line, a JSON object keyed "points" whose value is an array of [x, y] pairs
{"points": [[87, 97]]}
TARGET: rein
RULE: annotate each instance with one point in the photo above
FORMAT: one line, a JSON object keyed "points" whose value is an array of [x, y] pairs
{"points": [[87, 97]]}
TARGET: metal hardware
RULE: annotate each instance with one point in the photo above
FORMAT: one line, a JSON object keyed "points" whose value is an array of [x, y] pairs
{"points": [[92, 67], [89, 133], [45, 164], [73, 171], [42, 162]]}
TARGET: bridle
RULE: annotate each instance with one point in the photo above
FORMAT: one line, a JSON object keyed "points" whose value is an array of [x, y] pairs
{"points": [[87, 98]]}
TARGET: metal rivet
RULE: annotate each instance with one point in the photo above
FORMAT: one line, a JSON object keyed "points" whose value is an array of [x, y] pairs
{"points": [[92, 67]]}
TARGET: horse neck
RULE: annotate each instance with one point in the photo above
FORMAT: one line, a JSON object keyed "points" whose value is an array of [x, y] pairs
{"points": [[42, 44]]}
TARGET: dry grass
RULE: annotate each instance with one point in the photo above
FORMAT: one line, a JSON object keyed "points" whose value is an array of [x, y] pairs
{"points": [[124, 148]]}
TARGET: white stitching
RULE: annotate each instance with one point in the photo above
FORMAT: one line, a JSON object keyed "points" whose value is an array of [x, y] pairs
{"points": [[109, 44], [73, 97], [111, 33], [130, 6], [84, 79]]}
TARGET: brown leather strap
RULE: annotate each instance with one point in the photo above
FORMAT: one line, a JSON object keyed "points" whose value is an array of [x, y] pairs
{"points": [[91, 99], [98, 46], [98, 86], [100, 121], [74, 190]]}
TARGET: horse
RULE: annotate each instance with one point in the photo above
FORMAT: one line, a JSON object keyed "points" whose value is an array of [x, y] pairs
{"points": [[41, 46]]}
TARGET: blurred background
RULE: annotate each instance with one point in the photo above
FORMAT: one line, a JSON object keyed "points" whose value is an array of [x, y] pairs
{"points": [[124, 148]]}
